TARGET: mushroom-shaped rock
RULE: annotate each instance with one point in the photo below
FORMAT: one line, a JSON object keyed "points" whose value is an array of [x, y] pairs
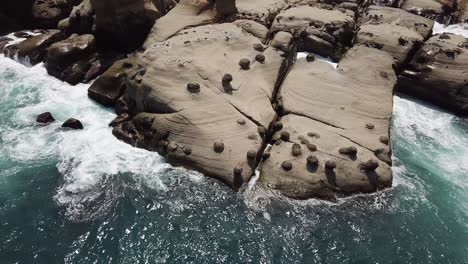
{"points": [[285, 136], [277, 126], [251, 154], [370, 165], [286, 165], [330, 164], [72, 123], [244, 64], [193, 87], [260, 58], [384, 140], [227, 78], [296, 150], [310, 57], [218, 146], [258, 47], [351, 151], [312, 160], [45, 118], [370, 126], [241, 121], [238, 170], [187, 150]]}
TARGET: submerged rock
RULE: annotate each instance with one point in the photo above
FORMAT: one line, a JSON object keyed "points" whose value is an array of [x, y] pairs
{"points": [[72, 123], [45, 118]]}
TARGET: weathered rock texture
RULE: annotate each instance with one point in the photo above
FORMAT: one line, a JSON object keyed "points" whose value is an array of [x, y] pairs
{"points": [[33, 50], [184, 15], [80, 21], [438, 73], [199, 102], [327, 112], [322, 31], [439, 10], [261, 11]]}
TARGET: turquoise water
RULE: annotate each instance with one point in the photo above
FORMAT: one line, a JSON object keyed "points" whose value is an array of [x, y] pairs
{"points": [[84, 197]]}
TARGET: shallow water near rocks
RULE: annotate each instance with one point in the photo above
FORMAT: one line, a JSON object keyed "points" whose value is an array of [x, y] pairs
{"points": [[85, 197]]}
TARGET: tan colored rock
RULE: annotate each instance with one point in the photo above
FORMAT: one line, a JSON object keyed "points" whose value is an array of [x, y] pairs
{"points": [[398, 41], [322, 31], [440, 10], [222, 111], [438, 73], [397, 16], [261, 11], [336, 105], [254, 28], [184, 15]]}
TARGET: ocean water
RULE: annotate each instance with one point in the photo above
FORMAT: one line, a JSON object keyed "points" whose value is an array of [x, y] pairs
{"points": [[85, 197]]}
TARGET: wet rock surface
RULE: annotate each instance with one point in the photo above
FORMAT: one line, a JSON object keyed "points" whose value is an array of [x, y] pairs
{"points": [[34, 49], [72, 123], [438, 73]]}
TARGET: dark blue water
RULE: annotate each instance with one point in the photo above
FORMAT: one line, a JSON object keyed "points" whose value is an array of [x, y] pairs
{"points": [[84, 197]]}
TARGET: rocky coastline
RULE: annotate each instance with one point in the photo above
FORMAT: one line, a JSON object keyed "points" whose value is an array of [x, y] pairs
{"points": [[216, 86]]}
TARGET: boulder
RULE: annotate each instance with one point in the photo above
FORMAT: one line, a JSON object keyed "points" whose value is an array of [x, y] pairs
{"points": [[47, 13], [396, 16], [197, 106], [123, 24], [111, 85], [398, 41], [72, 123], [256, 29], [184, 15], [45, 118], [338, 116], [261, 11], [321, 31], [438, 73], [440, 10], [80, 21], [70, 59], [34, 49]]}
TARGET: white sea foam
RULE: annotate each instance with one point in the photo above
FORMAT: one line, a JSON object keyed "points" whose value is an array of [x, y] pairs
{"points": [[318, 57], [458, 29], [85, 157]]}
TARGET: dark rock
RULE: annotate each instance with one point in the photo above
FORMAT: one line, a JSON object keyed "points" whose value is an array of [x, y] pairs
{"points": [[351, 151], [244, 64], [312, 160], [277, 126], [285, 136], [47, 13], [193, 87], [227, 78], [119, 119], [296, 150], [312, 147], [370, 126], [370, 165], [241, 122], [187, 150], [384, 140], [310, 57], [33, 50], [286, 165], [330, 164], [260, 58], [218, 146], [251, 154], [45, 118], [73, 124]]}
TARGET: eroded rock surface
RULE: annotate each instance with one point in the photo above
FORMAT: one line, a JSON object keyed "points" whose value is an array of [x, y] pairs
{"points": [[262, 11], [204, 100], [338, 117], [322, 31], [438, 73]]}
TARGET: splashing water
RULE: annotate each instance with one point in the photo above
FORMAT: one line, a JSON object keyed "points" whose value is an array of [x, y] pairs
{"points": [[84, 197]]}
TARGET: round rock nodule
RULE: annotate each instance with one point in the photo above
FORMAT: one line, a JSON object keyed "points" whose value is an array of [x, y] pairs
{"points": [[370, 126], [241, 122], [311, 147], [285, 136], [352, 151], [260, 58], [370, 165], [258, 47], [296, 150], [286, 165], [384, 140], [238, 170], [193, 87], [244, 64], [187, 150], [313, 135], [73, 124], [218, 146], [330, 164], [45, 118], [251, 154], [277, 126], [261, 131], [310, 57], [227, 78], [312, 160]]}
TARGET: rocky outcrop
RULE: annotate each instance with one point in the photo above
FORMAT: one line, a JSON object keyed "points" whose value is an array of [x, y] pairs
{"points": [[111, 85], [47, 13], [332, 126], [441, 10], [261, 11], [123, 24], [33, 50], [438, 73], [325, 32], [70, 59], [254, 28], [203, 100], [80, 21], [187, 13]]}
